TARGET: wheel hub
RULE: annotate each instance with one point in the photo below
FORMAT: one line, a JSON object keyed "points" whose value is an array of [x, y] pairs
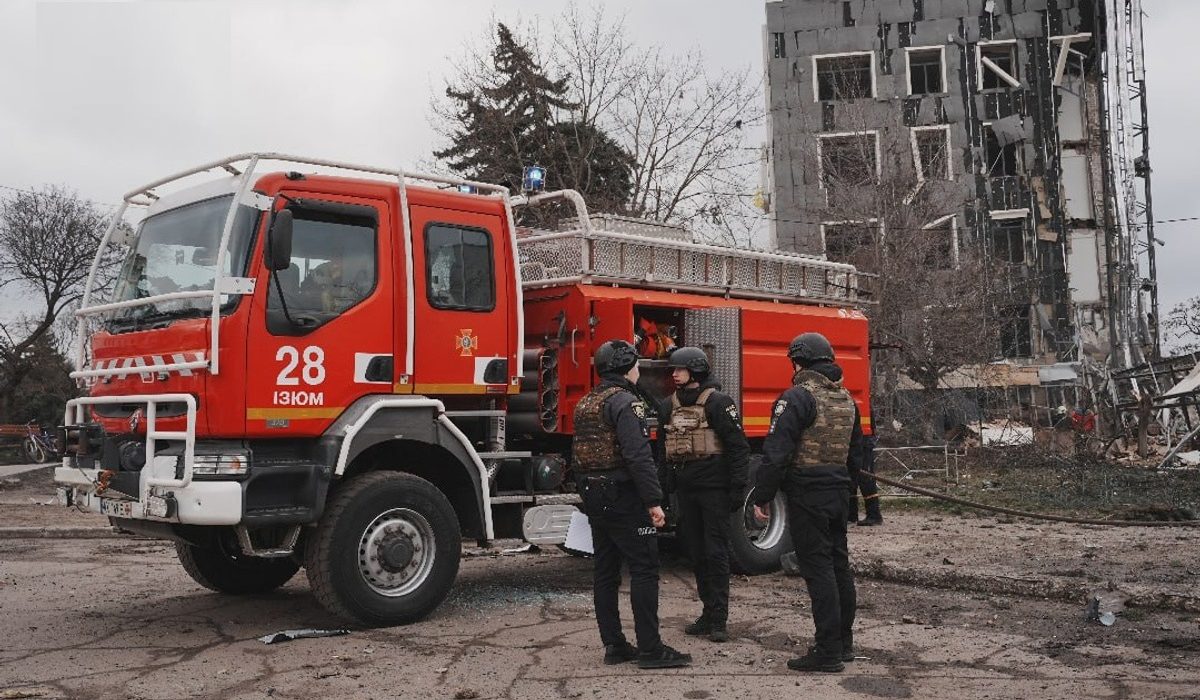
{"points": [[396, 554], [396, 551]]}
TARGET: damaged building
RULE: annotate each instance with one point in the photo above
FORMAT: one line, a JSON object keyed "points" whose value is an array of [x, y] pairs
{"points": [[1021, 115]]}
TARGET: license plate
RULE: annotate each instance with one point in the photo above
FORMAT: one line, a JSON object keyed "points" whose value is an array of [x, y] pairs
{"points": [[116, 508]]}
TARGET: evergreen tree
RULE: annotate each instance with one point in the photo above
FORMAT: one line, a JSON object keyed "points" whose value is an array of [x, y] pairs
{"points": [[513, 121]]}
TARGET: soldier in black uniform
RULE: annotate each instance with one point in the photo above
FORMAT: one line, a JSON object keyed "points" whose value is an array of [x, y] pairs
{"points": [[814, 440], [618, 481], [863, 479], [702, 441]]}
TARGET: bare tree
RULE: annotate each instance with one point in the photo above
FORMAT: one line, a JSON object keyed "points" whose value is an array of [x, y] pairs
{"points": [[1182, 325], [48, 239], [686, 127]]}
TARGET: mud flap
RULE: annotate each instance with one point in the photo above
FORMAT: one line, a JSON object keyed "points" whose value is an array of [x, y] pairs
{"points": [[546, 525]]}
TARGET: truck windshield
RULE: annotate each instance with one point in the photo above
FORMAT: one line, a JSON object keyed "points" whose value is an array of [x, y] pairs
{"points": [[176, 251]]}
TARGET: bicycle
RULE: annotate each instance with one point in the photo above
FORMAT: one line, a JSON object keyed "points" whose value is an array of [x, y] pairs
{"points": [[39, 445]]}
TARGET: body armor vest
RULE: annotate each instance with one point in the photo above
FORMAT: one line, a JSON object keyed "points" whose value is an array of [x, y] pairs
{"points": [[595, 445], [826, 443], [688, 435]]}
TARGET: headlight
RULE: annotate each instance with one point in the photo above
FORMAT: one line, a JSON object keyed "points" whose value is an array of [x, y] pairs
{"points": [[221, 465]]}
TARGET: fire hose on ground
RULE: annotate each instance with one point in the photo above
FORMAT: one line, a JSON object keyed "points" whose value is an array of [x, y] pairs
{"points": [[1036, 516]]}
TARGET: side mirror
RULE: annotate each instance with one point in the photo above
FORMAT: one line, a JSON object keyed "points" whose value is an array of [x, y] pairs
{"points": [[278, 254]]}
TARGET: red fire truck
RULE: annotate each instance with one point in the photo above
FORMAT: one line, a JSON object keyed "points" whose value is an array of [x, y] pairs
{"points": [[351, 369]]}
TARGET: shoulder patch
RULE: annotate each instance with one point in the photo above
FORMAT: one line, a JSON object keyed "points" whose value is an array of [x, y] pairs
{"points": [[780, 407], [639, 409], [731, 409]]}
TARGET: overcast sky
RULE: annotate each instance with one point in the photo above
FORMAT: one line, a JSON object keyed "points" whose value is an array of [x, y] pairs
{"points": [[103, 96]]}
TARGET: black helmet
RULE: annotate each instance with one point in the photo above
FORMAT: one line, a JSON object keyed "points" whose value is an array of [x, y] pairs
{"points": [[808, 348], [615, 357], [692, 359]]}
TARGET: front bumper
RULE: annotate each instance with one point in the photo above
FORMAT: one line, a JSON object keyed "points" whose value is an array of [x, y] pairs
{"points": [[198, 503]]}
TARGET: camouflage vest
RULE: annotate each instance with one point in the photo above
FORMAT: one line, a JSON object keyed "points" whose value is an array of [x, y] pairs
{"points": [[827, 441], [595, 445], [688, 435]]}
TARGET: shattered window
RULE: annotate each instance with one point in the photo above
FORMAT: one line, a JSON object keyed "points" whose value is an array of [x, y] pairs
{"points": [[844, 77], [1003, 60], [925, 72], [778, 45], [940, 247], [1002, 161], [1007, 241], [853, 242], [933, 153], [848, 160], [1016, 332]]}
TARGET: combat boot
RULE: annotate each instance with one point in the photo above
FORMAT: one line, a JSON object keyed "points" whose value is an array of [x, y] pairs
{"points": [[620, 653], [718, 632], [699, 628], [663, 657], [812, 662]]}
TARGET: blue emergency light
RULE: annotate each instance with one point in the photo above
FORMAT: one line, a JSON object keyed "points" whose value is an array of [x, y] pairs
{"points": [[467, 189], [534, 179]]}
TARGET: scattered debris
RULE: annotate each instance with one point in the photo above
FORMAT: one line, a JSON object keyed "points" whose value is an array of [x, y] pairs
{"points": [[289, 635], [466, 694], [20, 693], [1094, 614], [329, 673], [527, 548]]}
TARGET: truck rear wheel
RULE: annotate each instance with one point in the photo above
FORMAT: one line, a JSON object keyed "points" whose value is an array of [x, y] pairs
{"points": [[757, 547], [224, 568], [386, 550]]}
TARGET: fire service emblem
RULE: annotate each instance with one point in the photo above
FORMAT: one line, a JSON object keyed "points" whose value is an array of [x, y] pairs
{"points": [[466, 343]]}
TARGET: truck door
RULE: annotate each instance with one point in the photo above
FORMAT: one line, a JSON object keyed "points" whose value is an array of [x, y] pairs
{"points": [[321, 335], [463, 306]]}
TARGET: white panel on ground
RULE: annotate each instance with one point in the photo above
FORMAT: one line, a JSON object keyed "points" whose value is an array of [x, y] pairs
{"points": [[579, 534], [1083, 267]]}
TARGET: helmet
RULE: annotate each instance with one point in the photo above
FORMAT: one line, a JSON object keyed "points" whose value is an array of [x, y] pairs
{"points": [[615, 357], [690, 358], [808, 348]]}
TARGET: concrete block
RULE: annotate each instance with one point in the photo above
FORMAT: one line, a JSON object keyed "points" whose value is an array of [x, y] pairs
{"points": [[806, 42], [894, 11], [1028, 25], [955, 112], [955, 8], [971, 27], [975, 7]]}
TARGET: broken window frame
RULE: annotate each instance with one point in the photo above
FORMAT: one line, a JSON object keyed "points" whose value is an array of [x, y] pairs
{"points": [[909, 51], [1064, 42], [919, 164], [1021, 217], [989, 165], [1016, 322], [816, 82], [778, 45], [1004, 79], [938, 225], [863, 223], [821, 138]]}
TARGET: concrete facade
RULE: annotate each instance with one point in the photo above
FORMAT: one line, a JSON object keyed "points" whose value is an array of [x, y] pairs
{"points": [[1043, 170]]}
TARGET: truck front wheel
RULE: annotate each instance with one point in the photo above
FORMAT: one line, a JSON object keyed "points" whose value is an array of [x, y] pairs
{"points": [[222, 567], [386, 550], [758, 546]]}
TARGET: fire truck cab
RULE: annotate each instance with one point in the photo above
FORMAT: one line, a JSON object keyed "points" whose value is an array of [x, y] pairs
{"points": [[352, 372]]}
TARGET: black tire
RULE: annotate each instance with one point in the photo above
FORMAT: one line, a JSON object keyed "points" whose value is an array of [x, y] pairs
{"points": [[223, 568], [757, 551], [368, 560]]}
